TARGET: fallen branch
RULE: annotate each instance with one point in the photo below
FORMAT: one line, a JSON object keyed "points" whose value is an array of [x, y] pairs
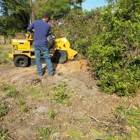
{"points": [[95, 119]]}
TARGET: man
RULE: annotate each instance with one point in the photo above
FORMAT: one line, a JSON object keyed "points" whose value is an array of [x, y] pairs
{"points": [[41, 30]]}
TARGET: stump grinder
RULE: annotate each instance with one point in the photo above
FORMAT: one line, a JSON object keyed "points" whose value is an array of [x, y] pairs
{"points": [[23, 52]]}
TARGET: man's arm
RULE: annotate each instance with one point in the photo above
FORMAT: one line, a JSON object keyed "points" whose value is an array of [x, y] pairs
{"points": [[30, 27], [49, 32]]}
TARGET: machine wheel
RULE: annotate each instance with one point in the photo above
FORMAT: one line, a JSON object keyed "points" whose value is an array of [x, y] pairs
{"points": [[59, 56], [29, 62], [21, 61]]}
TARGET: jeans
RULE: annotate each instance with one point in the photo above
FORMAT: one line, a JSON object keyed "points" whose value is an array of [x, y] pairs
{"points": [[46, 53]]}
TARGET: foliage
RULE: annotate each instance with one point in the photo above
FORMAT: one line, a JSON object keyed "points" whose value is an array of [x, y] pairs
{"points": [[4, 135], [74, 134], [97, 134], [4, 60], [24, 108], [122, 123], [3, 109], [131, 117], [10, 90], [60, 94], [44, 132], [78, 28], [57, 9], [115, 53], [33, 91], [52, 114], [14, 18], [109, 38]]}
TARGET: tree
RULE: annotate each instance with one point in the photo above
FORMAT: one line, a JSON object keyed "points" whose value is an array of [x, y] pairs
{"points": [[57, 8], [14, 18], [76, 3]]}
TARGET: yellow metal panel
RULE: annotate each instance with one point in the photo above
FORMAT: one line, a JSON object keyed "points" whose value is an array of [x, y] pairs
{"points": [[21, 45], [71, 53], [32, 56], [29, 36], [64, 44], [10, 55]]}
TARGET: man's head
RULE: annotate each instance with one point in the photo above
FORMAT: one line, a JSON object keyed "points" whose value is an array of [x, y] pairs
{"points": [[46, 17]]}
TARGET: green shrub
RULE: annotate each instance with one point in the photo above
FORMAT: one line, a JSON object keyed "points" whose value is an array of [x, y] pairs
{"points": [[110, 38], [78, 27], [131, 116], [4, 59], [44, 132], [36, 93], [52, 114], [60, 94], [115, 54], [10, 90], [3, 109], [4, 134]]}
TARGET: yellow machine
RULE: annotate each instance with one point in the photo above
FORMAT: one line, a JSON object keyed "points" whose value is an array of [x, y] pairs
{"points": [[22, 52]]}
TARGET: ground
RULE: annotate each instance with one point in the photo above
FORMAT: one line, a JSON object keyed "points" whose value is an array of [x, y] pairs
{"points": [[66, 106]]}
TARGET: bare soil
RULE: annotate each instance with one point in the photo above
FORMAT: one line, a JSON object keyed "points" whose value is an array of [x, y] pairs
{"points": [[89, 106]]}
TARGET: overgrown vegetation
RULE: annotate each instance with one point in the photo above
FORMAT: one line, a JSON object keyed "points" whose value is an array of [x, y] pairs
{"points": [[109, 38], [60, 94], [28, 10], [17, 16], [123, 123], [115, 54]]}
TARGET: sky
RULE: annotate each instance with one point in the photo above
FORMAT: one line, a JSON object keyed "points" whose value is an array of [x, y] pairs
{"points": [[91, 4]]}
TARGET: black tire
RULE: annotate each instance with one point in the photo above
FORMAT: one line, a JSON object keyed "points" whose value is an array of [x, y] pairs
{"points": [[59, 56], [29, 62], [21, 61]]}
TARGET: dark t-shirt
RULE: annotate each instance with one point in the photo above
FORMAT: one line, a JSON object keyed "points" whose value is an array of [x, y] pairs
{"points": [[41, 31]]}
